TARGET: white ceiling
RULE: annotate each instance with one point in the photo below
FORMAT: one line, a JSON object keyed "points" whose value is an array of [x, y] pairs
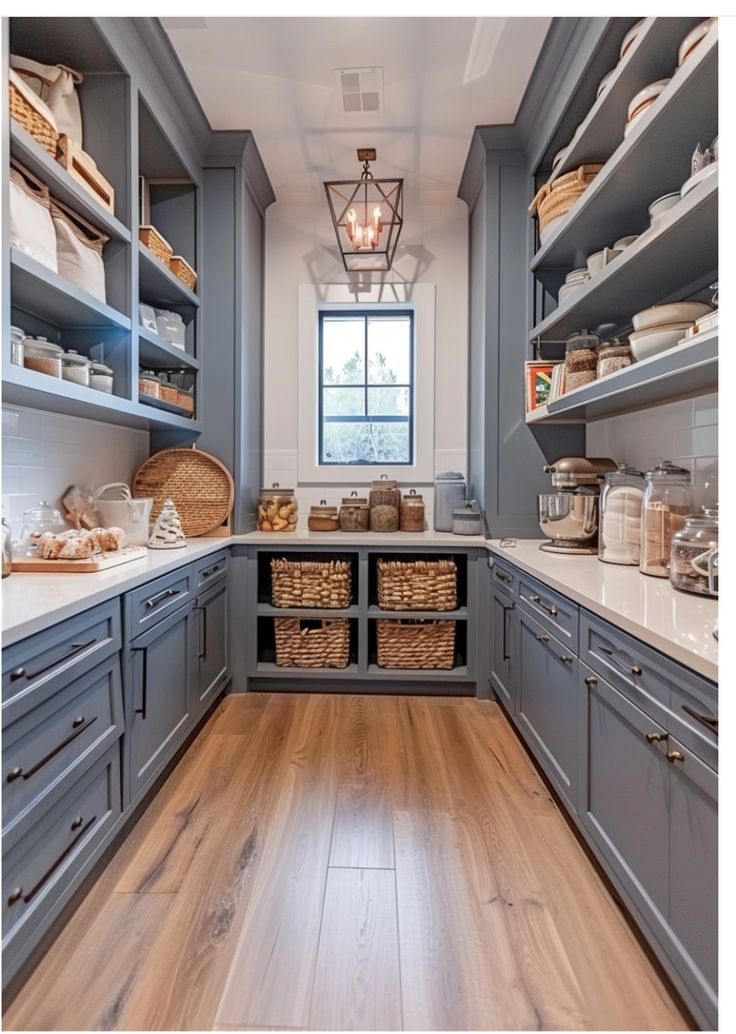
{"points": [[441, 77]]}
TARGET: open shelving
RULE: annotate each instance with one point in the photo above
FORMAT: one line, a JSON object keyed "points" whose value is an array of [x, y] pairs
{"points": [[157, 353]]}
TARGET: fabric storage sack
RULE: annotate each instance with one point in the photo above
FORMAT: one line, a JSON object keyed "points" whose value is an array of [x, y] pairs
{"points": [[56, 86], [31, 227], [79, 251]]}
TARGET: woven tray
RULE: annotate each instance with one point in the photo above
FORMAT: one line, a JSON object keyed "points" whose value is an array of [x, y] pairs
{"points": [[415, 644], [417, 584], [199, 484], [312, 644], [310, 583]]}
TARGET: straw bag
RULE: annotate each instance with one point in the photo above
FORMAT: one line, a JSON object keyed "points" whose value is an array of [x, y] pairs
{"points": [[56, 86], [31, 227], [557, 197], [79, 250]]}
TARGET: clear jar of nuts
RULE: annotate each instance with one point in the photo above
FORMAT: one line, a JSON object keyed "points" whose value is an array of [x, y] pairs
{"points": [[277, 509], [581, 359]]}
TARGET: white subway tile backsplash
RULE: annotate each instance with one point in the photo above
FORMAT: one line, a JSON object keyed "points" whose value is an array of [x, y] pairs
{"points": [[706, 410]]}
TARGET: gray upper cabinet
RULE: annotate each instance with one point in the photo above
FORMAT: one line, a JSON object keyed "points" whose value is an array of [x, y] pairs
{"points": [[504, 647]]}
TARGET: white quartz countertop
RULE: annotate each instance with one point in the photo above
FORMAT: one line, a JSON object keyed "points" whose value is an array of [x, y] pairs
{"points": [[678, 624], [402, 539]]}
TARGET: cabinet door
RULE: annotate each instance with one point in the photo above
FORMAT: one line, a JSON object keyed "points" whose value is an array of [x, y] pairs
{"points": [[693, 851], [504, 647], [157, 699], [624, 793], [211, 616], [547, 705]]}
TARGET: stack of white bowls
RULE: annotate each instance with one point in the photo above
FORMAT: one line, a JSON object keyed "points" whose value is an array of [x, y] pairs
{"points": [[661, 327], [573, 282]]}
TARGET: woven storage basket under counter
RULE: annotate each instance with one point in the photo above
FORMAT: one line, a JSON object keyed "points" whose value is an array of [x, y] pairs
{"points": [[415, 643], [311, 583], [308, 643], [200, 486], [557, 197], [417, 584]]}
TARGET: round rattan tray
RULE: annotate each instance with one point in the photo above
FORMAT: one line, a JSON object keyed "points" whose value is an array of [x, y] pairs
{"points": [[200, 486]]}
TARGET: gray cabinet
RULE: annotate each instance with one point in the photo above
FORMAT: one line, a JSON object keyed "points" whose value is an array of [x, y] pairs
{"points": [[504, 647], [211, 613]]}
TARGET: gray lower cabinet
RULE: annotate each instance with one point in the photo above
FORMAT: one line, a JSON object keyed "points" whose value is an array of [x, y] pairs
{"points": [[547, 705], [504, 647], [211, 614]]}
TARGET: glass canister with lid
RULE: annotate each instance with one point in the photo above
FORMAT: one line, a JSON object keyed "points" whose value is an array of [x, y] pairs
{"points": [[323, 517], [277, 509], [101, 377], [619, 539], [75, 368], [384, 500], [42, 356], [694, 560], [355, 514], [412, 512], [581, 359], [667, 502], [613, 355]]}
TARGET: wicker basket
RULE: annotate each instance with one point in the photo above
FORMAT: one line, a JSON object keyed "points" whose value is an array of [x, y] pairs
{"points": [[311, 583], [152, 239], [417, 584], [557, 197], [185, 401], [169, 393], [181, 269], [415, 644], [30, 111], [312, 644], [199, 484]]}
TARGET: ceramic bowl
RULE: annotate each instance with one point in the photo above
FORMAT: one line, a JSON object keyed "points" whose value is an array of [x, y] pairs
{"points": [[646, 343], [599, 259], [637, 115], [625, 242], [630, 37], [692, 39], [663, 204], [604, 82], [566, 290], [698, 177], [549, 228], [649, 93], [664, 315], [577, 275]]}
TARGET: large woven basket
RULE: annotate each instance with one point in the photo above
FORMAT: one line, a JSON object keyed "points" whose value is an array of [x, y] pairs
{"points": [[312, 644], [417, 584], [557, 197], [199, 485], [31, 112], [183, 271], [415, 643], [311, 583]]}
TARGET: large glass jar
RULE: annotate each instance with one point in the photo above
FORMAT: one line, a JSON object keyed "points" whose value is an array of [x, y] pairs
{"points": [[619, 538], [612, 356], [667, 502], [694, 561], [412, 512], [42, 356], [75, 368], [581, 359], [384, 500], [277, 509]]}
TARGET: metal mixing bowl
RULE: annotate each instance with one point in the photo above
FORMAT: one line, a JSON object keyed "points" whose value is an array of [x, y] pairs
{"points": [[568, 518]]}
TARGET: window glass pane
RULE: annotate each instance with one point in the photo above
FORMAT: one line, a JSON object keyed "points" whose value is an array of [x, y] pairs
{"points": [[365, 442], [343, 401], [388, 401], [343, 349], [389, 350]]}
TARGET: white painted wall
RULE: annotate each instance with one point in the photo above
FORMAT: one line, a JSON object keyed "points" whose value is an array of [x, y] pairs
{"points": [[301, 249]]}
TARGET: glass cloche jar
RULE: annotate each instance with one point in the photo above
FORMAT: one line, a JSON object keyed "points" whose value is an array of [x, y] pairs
{"points": [[619, 538], [667, 502], [694, 562], [277, 509]]}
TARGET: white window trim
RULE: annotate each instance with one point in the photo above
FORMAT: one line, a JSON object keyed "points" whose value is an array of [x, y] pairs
{"points": [[314, 298]]}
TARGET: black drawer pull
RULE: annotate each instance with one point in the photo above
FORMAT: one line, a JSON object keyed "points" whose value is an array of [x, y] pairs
{"points": [[79, 821], [552, 611], [17, 673], [59, 861], [15, 895], [20, 673], [79, 725], [208, 572], [202, 632], [542, 638], [704, 719], [505, 647], [505, 577], [165, 595]]}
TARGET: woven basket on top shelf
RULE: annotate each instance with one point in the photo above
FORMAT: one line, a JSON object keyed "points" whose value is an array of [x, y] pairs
{"points": [[200, 486], [311, 583], [312, 644], [415, 643], [155, 242], [31, 112], [417, 584], [558, 196], [183, 271]]}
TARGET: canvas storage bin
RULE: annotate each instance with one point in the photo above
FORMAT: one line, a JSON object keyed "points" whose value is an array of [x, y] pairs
{"points": [[56, 86], [79, 251], [31, 226]]}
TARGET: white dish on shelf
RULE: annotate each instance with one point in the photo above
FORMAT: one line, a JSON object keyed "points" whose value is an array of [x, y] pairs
{"points": [[663, 204], [599, 259], [640, 112], [630, 36], [605, 81], [698, 177], [549, 228], [668, 315], [706, 323], [567, 289], [648, 94], [576, 275], [645, 343], [693, 38], [625, 242]]}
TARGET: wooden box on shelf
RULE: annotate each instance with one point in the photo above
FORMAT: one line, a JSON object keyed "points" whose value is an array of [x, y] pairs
{"points": [[181, 269], [83, 169], [150, 238]]}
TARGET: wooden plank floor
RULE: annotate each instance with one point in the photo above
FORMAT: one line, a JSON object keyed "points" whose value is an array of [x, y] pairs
{"points": [[327, 862]]}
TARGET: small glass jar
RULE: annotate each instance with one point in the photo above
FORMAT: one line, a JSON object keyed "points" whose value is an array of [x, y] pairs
{"points": [[612, 356], [75, 368], [581, 359], [694, 559], [355, 514], [7, 547], [384, 495], [101, 377], [42, 356], [323, 517], [149, 384], [412, 512], [277, 509], [17, 337], [619, 538], [667, 502]]}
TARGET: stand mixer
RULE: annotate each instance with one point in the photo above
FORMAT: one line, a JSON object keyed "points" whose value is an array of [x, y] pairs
{"points": [[569, 515]]}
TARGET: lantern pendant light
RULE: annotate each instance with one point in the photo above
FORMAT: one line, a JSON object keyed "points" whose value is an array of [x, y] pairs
{"points": [[367, 215]]}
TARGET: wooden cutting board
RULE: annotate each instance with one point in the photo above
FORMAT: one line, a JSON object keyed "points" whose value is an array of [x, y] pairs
{"points": [[88, 566]]}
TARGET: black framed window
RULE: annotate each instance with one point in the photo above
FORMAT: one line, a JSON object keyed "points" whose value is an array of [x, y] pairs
{"points": [[366, 387]]}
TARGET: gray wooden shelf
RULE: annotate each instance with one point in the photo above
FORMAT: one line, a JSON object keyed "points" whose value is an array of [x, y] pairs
{"points": [[158, 285], [680, 250], [458, 674], [264, 669], [689, 369], [267, 610], [653, 160], [41, 292], [61, 184], [461, 614], [157, 353]]}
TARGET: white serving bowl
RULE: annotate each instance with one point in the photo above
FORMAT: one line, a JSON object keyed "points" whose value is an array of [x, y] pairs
{"points": [[604, 82], [645, 343], [549, 228], [648, 94], [625, 242], [639, 113], [599, 259], [692, 39], [666, 315], [576, 275], [661, 205], [630, 37]]}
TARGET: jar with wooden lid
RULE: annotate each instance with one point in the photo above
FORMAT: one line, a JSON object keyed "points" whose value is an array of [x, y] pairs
{"points": [[612, 356], [277, 509], [667, 502], [323, 517], [412, 512], [581, 359], [355, 514], [149, 384], [384, 497]]}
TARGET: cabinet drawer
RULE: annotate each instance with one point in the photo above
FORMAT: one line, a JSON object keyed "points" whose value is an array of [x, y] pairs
{"points": [[504, 577], [47, 749], [558, 614], [39, 666], [156, 600], [694, 717], [41, 866], [209, 571]]}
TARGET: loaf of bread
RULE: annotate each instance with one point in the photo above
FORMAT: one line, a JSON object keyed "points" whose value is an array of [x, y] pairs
{"points": [[108, 539], [79, 545]]}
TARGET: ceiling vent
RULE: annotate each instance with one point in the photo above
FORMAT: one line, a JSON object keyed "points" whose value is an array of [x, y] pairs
{"points": [[360, 89]]}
